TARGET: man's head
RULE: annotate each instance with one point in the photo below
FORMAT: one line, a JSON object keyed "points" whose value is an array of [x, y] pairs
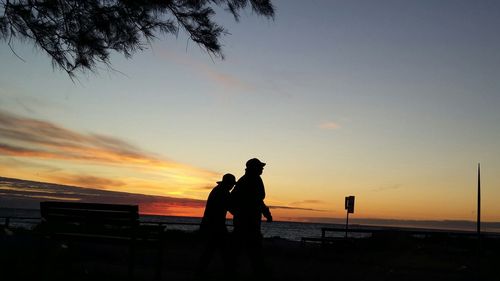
{"points": [[255, 166], [228, 181]]}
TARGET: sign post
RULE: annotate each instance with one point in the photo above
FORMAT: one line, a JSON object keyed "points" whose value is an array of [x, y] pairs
{"points": [[349, 206], [478, 221]]}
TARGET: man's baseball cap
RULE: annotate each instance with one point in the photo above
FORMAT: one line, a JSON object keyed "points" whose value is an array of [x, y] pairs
{"points": [[228, 178], [254, 162]]}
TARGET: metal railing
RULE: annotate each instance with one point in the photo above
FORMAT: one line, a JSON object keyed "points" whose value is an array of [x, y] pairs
{"points": [[7, 220], [408, 231]]}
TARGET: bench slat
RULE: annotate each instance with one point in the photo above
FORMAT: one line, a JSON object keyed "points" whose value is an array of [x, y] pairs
{"points": [[94, 206]]}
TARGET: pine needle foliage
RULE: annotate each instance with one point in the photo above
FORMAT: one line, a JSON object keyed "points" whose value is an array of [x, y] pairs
{"points": [[79, 34]]}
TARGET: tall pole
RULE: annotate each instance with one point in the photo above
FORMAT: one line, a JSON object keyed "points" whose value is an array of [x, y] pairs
{"points": [[347, 224], [478, 221], [479, 201]]}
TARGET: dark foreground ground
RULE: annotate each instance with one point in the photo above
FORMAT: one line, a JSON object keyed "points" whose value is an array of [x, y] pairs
{"points": [[27, 256]]}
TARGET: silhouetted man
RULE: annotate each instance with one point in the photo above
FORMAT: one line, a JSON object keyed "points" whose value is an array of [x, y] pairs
{"points": [[213, 225], [247, 203]]}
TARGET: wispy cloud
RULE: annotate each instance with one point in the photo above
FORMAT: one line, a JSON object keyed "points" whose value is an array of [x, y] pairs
{"points": [[296, 208], [306, 202], [329, 125], [22, 193], [17, 164], [29, 138], [12, 98], [35, 138], [86, 180], [387, 187], [225, 80]]}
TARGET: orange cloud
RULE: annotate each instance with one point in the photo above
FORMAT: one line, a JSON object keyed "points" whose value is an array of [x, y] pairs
{"points": [[17, 193], [329, 125], [35, 139], [84, 180], [21, 193]]}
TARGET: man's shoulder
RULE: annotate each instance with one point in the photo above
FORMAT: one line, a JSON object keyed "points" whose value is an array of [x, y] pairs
{"points": [[253, 180], [249, 179]]}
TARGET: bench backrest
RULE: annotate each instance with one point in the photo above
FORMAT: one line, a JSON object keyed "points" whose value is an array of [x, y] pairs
{"points": [[89, 218]]}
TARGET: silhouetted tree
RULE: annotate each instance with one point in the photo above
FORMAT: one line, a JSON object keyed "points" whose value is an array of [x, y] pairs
{"points": [[79, 34]]}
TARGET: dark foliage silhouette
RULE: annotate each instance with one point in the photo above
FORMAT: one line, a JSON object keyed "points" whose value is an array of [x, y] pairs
{"points": [[79, 34]]}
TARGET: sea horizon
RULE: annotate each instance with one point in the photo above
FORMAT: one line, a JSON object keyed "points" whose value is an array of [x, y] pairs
{"points": [[312, 228], [21, 194]]}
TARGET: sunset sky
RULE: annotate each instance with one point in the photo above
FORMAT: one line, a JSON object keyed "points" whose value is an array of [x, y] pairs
{"points": [[394, 102]]}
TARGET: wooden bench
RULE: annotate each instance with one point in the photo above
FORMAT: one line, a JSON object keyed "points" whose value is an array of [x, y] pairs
{"points": [[106, 223]]}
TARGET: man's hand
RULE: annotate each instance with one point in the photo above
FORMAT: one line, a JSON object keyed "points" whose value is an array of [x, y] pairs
{"points": [[267, 214], [269, 218]]}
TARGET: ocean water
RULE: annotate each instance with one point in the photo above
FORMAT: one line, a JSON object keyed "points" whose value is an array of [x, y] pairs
{"points": [[28, 218], [28, 194], [287, 230]]}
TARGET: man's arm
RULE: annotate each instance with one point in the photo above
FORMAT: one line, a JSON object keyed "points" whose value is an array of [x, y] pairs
{"points": [[262, 193], [266, 212]]}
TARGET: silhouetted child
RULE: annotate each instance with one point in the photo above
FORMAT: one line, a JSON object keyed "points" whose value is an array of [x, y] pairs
{"points": [[213, 225]]}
